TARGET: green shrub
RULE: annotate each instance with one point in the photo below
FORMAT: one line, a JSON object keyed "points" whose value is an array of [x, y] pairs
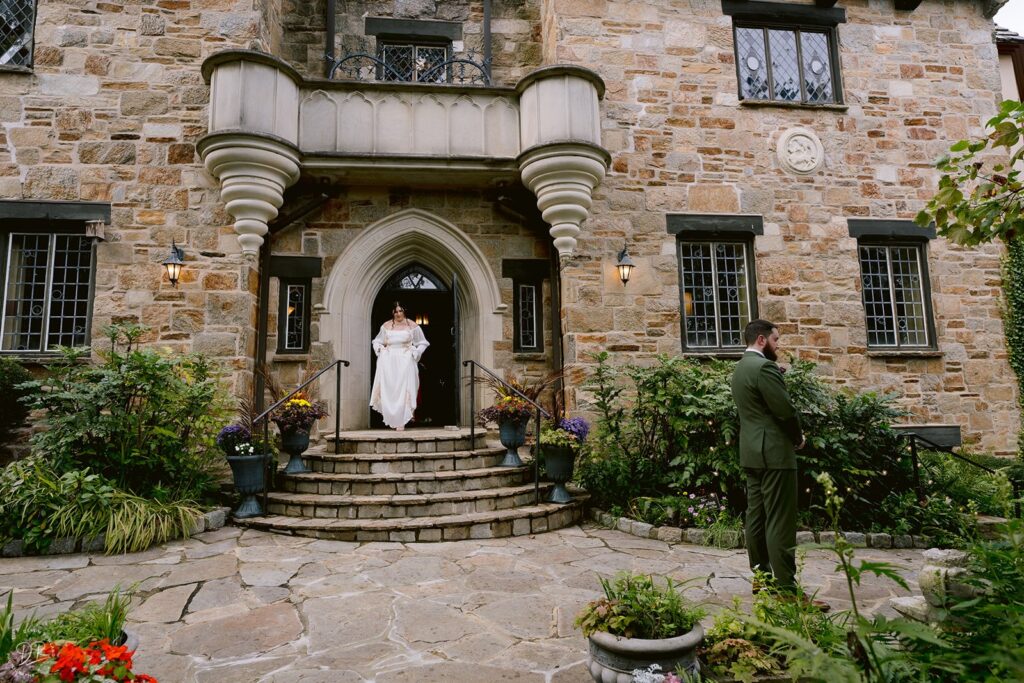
{"points": [[634, 606], [93, 621], [140, 419], [989, 494], [13, 409]]}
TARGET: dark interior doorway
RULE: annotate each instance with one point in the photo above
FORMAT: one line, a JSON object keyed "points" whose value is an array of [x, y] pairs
{"points": [[431, 303]]}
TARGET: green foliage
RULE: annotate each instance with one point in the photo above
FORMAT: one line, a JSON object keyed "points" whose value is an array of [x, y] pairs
{"points": [[140, 419], [93, 621], [1013, 315], [13, 409], [634, 606]]}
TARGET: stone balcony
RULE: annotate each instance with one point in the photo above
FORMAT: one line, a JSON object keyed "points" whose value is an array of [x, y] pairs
{"points": [[268, 125]]}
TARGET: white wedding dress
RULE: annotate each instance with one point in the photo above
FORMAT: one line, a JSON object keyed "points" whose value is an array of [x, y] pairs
{"points": [[397, 379]]}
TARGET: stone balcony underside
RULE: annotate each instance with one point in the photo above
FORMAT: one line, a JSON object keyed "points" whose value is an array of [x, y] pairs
{"points": [[268, 126]]}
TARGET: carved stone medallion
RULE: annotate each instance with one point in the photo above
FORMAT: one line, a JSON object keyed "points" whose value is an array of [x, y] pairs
{"points": [[800, 151]]}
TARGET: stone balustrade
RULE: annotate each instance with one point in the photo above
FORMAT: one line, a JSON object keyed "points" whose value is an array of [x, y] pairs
{"points": [[268, 125]]}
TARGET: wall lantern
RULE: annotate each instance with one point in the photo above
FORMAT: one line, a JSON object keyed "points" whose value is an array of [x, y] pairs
{"points": [[625, 265], [173, 263]]}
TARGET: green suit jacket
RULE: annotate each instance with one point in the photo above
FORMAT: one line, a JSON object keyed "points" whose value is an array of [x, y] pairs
{"points": [[769, 424]]}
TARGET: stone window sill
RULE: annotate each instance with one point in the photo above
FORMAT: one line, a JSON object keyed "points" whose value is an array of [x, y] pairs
{"points": [[528, 355], [11, 69], [721, 355], [41, 358], [290, 358], [907, 353], [792, 105]]}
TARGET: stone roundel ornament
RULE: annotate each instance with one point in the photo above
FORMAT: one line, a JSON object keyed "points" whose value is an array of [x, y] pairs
{"points": [[800, 151]]}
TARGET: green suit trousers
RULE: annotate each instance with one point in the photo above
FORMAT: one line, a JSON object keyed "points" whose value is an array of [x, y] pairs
{"points": [[770, 527]]}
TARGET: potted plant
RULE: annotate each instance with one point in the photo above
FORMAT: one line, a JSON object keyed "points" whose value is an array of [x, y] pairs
{"points": [[638, 624], [560, 444], [294, 419], [248, 466], [512, 415]]}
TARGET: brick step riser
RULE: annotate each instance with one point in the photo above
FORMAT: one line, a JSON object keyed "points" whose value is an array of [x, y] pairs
{"points": [[390, 447], [402, 466], [391, 488], [395, 510], [557, 519]]}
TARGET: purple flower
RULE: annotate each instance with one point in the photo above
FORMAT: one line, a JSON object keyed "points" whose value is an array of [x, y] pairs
{"points": [[576, 426], [231, 436]]}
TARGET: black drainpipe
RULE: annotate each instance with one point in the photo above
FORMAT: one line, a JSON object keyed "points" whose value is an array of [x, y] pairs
{"points": [[487, 38], [263, 302], [329, 38]]}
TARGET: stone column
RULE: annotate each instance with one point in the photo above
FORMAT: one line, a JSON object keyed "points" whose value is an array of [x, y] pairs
{"points": [[562, 160]]}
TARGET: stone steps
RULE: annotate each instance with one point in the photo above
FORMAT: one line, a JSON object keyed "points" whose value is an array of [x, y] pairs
{"points": [[330, 506], [518, 521], [320, 460], [394, 483], [409, 441]]}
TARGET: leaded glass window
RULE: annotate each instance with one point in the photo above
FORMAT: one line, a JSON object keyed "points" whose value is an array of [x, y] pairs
{"points": [[17, 21], [409, 62], [47, 291], [786, 65], [717, 292], [527, 317], [893, 281], [416, 277], [295, 317]]}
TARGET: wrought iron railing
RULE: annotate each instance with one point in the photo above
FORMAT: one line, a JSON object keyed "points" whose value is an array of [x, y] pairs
{"points": [[360, 65], [473, 366], [264, 417], [915, 460]]}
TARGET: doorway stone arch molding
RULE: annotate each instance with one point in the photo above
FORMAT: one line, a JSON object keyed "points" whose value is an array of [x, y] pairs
{"points": [[268, 125], [410, 235]]}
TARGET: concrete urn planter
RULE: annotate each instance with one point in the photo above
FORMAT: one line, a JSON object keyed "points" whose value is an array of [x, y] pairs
{"points": [[613, 659]]}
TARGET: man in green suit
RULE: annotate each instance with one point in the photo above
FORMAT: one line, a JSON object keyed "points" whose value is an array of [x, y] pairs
{"points": [[770, 435]]}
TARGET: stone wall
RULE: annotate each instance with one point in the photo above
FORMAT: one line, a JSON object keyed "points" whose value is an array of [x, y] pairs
{"points": [[682, 142], [111, 113], [514, 29]]}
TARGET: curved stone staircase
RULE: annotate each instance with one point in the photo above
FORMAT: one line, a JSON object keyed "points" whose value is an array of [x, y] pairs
{"points": [[417, 485]]}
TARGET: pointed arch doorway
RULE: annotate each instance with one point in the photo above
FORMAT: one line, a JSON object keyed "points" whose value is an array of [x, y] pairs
{"points": [[363, 269], [432, 304]]}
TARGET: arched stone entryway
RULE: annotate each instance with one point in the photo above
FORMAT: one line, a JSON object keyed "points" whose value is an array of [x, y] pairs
{"points": [[406, 237]]}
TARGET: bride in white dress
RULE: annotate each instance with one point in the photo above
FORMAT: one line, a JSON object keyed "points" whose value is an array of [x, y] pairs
{"points": [[398, 345]]}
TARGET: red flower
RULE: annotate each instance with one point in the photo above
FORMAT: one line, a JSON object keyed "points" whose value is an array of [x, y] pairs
{"points": [[143, 678]]}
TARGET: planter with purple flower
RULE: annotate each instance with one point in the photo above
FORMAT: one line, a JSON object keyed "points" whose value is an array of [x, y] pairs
{"points": [[294, 419], [248, 467], [560, 444], [512, 414]]}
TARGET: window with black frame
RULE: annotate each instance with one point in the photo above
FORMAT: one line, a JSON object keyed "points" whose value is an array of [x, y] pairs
{"points": [[786, 53], [17, 28], [414, 62], [293, 316], [528, 277], [717, 288], [894, 284]]}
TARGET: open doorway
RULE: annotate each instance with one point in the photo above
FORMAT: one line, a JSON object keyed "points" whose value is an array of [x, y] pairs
{"points": [[431, 303]]}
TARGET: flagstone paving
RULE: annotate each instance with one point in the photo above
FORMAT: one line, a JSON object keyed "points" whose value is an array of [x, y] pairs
{"points": [[234, 606]]}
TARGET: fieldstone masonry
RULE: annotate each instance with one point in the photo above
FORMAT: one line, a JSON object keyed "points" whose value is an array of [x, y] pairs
{"points": [[116, 103]]}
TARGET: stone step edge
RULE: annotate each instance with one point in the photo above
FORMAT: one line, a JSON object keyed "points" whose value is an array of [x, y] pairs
{"points": [[439, 455], [211, 520], [406, 523], [394, 437], [694, 536], [400, 477], [340, 499]]}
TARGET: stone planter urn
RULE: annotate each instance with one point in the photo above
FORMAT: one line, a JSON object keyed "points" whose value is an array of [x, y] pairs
{"points": [[512, 435], [249, 472], [613, 659], [295, 443], [559, 462]]}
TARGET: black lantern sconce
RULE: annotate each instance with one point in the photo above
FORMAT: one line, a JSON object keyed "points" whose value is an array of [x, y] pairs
{"points": [[624, 265], [173, 263]]}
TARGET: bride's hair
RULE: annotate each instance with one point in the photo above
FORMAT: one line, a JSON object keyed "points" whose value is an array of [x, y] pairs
{"points": [[395, 306]]}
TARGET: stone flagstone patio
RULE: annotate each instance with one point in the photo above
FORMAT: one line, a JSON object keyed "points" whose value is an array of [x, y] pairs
{"points": [[234, 606]]}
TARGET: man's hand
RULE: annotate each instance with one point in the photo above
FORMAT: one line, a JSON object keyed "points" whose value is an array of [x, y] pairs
{"points": [[803, 442]]}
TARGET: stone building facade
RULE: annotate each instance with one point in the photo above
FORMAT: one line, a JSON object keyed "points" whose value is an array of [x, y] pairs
{"points": [[668, 129]]}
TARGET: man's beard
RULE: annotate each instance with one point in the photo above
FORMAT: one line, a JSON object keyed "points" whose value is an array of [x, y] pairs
{"points": [[770, 354]]}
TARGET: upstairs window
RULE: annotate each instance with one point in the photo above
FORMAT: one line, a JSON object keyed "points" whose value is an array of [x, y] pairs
{"points": [[17, 21], [414, 62]]}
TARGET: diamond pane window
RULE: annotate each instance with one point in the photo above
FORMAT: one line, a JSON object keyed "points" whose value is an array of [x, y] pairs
{"points": [[527, 304], [414, 63], [295, 318], [17, 20], [716, 291], [47, 292], [895, 304], [786, 65]]}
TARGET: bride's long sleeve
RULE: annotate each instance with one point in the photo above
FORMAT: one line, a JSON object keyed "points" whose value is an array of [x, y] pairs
{"points": [[378, 341], [419, 343]]}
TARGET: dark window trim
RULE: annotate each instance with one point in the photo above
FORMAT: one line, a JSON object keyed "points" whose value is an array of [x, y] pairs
{"points": [[714, 224], [30, 67], [79, 212], [783, 12], [707, 235], [887, 228], [413, 29], [531, 272], [833, 57], [295, 266], [282, 314], [921, 245]]}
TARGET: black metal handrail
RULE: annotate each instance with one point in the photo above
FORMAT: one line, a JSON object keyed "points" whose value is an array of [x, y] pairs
{"points": [[916, 462], [473, 365], [265, 415]]}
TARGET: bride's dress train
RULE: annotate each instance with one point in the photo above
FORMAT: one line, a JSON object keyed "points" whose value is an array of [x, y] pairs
{"points": [[397, 379]]}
